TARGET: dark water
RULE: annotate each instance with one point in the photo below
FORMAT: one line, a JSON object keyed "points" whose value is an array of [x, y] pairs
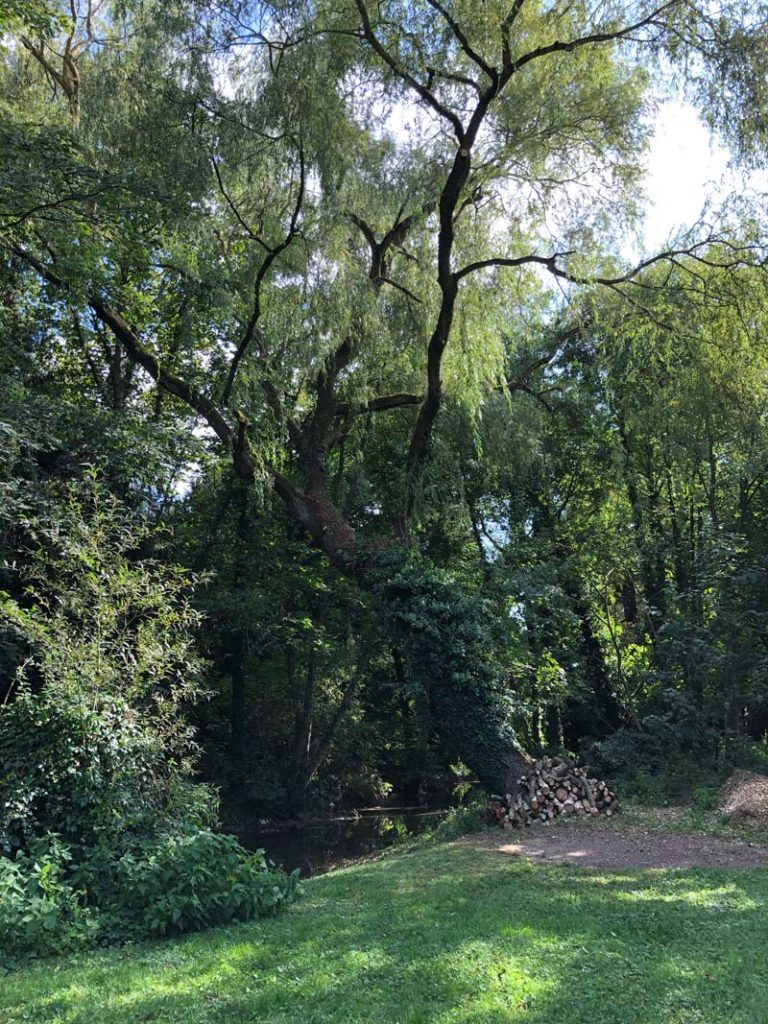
{"points": [[318, 846]]}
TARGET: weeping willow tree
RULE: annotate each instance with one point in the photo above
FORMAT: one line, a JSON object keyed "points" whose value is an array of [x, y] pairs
{"points": [[305, 227]]}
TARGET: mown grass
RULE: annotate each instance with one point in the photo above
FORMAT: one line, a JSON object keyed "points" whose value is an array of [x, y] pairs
{"points": [[443, 934]]}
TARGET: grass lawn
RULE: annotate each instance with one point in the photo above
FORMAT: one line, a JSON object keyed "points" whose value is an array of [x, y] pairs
{"points": [[443, 934]]}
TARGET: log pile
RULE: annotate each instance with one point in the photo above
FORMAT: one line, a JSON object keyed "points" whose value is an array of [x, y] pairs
{"points": [[552, 787]]}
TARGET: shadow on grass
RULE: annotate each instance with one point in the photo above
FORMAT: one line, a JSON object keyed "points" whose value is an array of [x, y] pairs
{"points": [[445, 935]]}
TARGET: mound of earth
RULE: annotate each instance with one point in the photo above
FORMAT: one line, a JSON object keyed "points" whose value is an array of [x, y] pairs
{"points": [[745, 799]]}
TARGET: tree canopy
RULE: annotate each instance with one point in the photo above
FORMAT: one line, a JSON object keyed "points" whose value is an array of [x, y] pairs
{"points": [[336, 290]]}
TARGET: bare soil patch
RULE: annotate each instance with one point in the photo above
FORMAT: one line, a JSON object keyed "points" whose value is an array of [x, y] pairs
{"points": [[615, 848]]}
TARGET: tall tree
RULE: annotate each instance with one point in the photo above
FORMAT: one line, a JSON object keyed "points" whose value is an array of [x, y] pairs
{"points": [[297, 219]]}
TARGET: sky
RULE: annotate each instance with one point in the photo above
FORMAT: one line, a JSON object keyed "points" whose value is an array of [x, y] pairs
{"points": [[685, 167]]}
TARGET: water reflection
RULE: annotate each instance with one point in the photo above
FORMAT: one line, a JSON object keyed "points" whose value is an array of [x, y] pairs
{"points": [[319, 846]]}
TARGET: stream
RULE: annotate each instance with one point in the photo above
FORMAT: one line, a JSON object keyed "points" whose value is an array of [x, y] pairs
{"points": [[320, 845]]}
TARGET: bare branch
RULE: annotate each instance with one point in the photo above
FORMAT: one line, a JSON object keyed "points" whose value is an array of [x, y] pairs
{"points": [[366, 230], [512, 261], [394, 238], [401, 288], [450, 76], [55, 204]]}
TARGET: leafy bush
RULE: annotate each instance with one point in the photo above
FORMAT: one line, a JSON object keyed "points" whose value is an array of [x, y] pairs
{"points": [[82, 771], [706, 798], [105, 834], [462, 821], [177, 883], [53, 902], [40, 911], [664, 757]]}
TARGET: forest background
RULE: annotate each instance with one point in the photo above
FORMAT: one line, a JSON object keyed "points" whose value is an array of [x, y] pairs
{"points": [[328, 389]]}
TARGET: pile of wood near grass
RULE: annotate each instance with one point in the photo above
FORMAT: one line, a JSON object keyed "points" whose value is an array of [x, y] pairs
{"points": [[552, 787]]}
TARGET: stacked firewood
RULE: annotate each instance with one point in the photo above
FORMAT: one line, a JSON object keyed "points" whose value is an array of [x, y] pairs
{"points": [[552, 787]]}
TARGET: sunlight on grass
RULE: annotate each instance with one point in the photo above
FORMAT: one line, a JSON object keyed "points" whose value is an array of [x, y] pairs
{"points": [[442, 936]]}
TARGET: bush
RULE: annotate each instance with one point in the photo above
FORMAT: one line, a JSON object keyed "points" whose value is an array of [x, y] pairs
{"points": [[706, 799], [105, 834], [52, 902], [82, 772], [665, 757], [180, 883], [40, 912], [461, 821]]}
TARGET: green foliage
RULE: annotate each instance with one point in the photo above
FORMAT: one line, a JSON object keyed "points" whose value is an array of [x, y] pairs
{"points": [[462, 821], [54, 899], [105, 834], [591, 496], [673, 742], [706, 798], [41, 912], [99, 623], [40, 16], [182, 882], [445, 638], [95, 741], [88, 772]]}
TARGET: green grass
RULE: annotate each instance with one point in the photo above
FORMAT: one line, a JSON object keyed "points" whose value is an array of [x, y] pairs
{"points": [[448, 935]]}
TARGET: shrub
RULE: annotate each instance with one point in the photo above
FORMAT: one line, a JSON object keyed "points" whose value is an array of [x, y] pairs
{"points": [[176, 883], [80, 771], [105, 834], [52, 902], [41, 912], [706, 798], [664, 757], [461, 821]]}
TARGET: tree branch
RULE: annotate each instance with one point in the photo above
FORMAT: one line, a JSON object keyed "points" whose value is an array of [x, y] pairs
{"points": [[463, 41], [511, 261], [394, 238], [589, 40], [174, 385], [667, 255], [403, 289], [348, 695], [427, 95], [381, 404], [253, 235], [506, 25], [272, 254]]}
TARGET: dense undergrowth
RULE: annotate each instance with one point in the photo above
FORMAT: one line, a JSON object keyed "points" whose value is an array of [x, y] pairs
{"points": [[54, 900], [105, 835]]}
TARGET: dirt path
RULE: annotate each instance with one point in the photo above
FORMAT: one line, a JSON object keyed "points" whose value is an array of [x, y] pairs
{"points": [[612, 847]]}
